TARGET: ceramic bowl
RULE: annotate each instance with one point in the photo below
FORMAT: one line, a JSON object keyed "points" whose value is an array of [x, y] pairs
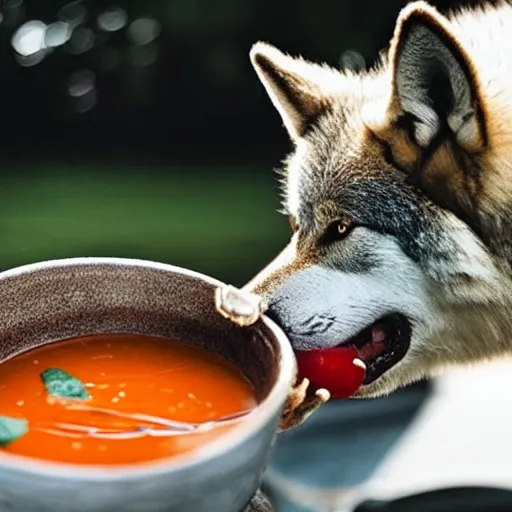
{"points": [[54, 300]]}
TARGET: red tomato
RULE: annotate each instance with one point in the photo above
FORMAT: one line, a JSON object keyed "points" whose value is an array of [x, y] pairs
{"points": [[332, 369]]}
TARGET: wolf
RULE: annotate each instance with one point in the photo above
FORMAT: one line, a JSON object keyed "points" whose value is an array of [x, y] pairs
{"points": [[398, 192]]}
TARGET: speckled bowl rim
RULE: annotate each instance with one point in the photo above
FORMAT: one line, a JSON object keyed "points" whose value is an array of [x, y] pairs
{"points": [[211, 450]]}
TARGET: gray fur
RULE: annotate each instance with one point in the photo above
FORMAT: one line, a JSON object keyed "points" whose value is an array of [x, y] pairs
{"points": [[423, 59], [408, 251]]}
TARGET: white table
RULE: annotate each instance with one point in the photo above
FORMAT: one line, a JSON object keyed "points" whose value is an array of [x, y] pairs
{"points": [[463, 436]]}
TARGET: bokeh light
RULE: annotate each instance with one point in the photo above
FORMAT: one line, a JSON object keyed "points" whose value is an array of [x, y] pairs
{"points": [[143, 55], [29, 39], [82, 90], [12, 12], [73, 13], [112, 19], [81, 41], [57, 34], [143, 31], [352, 60]]}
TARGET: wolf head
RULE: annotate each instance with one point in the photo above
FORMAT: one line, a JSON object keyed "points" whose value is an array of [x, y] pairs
{"points": [[396, 199]]}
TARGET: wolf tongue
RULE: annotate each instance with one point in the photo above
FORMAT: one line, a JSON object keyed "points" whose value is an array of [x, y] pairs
{"points": [[376, 346], [336, 369]]}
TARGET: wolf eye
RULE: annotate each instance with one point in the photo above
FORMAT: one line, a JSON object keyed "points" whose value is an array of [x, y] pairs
{"points": [[342, 227], [338, 230]]}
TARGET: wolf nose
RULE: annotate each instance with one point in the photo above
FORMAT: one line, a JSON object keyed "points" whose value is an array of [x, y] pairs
{"points": [[273, 313]]}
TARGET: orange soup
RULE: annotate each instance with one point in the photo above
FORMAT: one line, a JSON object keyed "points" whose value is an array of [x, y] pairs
{"points": [[127, 379]]}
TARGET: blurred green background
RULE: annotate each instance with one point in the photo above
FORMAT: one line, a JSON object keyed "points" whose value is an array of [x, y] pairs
{"points": [[219, 220], [139, 129]]}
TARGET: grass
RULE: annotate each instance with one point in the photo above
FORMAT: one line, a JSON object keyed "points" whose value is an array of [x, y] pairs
{"points": [[222, 223]]}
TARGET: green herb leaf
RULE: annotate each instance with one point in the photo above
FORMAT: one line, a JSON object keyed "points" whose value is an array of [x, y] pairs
{"points": [[11, 429], [61, 384]]}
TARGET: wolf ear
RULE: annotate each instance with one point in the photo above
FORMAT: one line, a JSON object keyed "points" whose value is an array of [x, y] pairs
{"points": [[434, 81], [296, 87]]}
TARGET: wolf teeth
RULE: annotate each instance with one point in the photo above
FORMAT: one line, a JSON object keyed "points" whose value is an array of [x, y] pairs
{"points": [[358, 362]]}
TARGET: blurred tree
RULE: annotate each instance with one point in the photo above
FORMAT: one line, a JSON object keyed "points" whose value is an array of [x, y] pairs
{"points": [[163, 78]]}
